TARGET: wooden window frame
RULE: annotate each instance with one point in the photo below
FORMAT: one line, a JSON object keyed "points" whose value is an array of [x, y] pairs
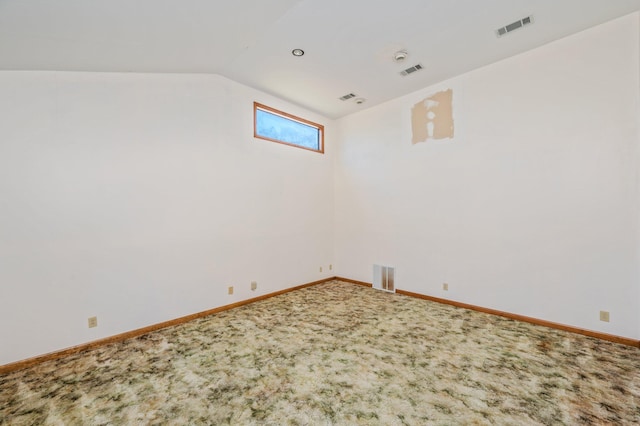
{"points": [[258, 106]]}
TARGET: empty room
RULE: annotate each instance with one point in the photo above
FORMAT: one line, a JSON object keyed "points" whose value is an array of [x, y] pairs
{"points": [[418, 212]]}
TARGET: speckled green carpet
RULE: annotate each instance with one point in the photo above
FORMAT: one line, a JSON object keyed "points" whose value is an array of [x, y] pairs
{"points": [[335, 354]]}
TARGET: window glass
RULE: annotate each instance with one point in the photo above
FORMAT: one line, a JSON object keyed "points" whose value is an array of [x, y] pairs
{"points": [[278, 126]]}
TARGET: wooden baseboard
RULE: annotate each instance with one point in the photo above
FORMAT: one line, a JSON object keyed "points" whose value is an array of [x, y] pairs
{"points": [[18, 365], [596, 334], [536, 321], [603, 336], [347, 280]]}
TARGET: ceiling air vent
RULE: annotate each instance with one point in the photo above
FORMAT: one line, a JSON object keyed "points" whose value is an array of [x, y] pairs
{"points": [[514, 26], [411, 70], [347, 96]]}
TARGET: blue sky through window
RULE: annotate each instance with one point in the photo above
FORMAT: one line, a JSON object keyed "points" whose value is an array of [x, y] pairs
{"points": [[273, 126]]}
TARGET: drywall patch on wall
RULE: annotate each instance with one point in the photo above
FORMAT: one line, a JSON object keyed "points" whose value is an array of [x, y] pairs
{"points": [[432, 118]]}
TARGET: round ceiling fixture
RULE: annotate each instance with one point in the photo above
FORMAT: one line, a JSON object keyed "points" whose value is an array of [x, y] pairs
{"points": [[297, 52], [400, 55], [359, 101]]}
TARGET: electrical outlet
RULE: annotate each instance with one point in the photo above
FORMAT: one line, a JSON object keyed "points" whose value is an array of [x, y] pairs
{"points": [[330, 267], [445, 286], [93, 322], [230, 291], [604, 316], [321, 269], [254, 285]]}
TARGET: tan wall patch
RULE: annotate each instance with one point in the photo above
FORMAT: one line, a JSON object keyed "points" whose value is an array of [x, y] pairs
{"points": [[432, 118]]}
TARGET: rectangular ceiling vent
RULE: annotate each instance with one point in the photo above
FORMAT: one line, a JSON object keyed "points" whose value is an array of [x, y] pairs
{"points": [[514, 26], [411, 70], [348, 96]]}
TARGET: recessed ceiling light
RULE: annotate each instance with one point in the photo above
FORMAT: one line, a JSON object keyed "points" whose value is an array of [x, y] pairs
{"points": [[297, 52], [360, 101]]}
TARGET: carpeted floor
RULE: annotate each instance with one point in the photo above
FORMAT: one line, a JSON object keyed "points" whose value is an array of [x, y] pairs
{"points": [[336, 354]]}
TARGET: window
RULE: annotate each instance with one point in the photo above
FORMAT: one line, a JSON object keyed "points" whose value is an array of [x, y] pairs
{"points": [[277, 126]]}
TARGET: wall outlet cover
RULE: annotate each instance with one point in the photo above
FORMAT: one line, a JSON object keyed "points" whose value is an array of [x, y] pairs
{"points": [[92, 322]]}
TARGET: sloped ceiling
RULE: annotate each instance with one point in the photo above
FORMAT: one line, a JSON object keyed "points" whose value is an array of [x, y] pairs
{"points": [[349, 44]]}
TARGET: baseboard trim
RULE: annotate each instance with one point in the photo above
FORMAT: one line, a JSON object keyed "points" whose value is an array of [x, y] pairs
{"points": [[19, 365], [603, 336], [348, 280], [598, 335]]}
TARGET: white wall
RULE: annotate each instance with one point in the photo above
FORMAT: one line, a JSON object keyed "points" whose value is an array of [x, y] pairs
{"points": [[532, 208], [140, 198]]}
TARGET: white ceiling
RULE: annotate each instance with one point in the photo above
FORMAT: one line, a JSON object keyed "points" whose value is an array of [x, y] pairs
{"points": [[349, 44]]}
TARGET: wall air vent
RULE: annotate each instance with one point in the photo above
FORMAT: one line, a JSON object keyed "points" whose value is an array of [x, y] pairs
{"points": [[514, 26], [347, 96], [384, 278], [411, 70]]}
